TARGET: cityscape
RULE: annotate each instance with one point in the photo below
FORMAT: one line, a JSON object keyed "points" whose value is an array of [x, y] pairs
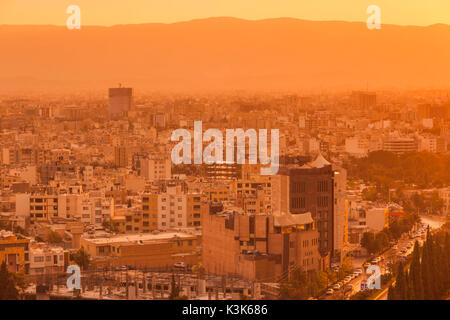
{"points": [[186, 169]]}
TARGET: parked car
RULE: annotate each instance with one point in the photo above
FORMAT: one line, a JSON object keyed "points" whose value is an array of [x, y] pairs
{"points": [[180, 265], [395, 247], [336, 286], [330, 292], [366, 265]]}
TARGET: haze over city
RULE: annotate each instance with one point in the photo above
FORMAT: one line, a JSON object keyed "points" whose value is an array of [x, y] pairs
{"points": [[224, 150]]}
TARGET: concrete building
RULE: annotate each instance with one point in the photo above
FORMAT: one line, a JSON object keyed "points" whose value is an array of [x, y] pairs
{"points": [[14, 251], [310, 188], [400, 145], [46, 259], [149, 250], [156, 168], [265, 247], [120, 101]]}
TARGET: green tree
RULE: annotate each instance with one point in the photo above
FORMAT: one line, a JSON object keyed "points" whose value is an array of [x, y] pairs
{"points": [[174, 289], [54, 237], [81, 258], [8, 290], [416, 274]]}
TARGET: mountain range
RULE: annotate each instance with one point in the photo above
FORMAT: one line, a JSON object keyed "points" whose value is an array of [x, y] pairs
{"points": [[225, 54]]}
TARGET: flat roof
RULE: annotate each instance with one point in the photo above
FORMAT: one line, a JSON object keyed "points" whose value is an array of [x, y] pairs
{"points": [[137, 238]]}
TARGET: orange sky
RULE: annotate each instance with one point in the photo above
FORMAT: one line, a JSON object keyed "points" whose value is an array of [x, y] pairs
{"points": [[111, 12]]}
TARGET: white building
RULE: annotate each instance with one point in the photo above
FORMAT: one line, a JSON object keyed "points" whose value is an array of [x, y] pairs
{"points": [[156, 168], [172, 209], [46, 259]]}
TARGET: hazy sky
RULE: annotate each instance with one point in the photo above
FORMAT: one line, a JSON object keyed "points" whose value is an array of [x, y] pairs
{"points": [[110, 12]]}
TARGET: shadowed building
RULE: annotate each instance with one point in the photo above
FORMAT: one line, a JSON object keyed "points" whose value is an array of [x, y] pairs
{"points": [[120, 101], [264, 247]]}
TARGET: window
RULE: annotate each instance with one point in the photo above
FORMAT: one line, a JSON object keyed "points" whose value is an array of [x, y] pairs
{"points": [[298, 187], [322, 186], [298, 203]]}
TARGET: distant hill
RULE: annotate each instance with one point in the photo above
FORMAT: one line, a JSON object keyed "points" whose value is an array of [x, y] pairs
{"points": [[225, 54]]}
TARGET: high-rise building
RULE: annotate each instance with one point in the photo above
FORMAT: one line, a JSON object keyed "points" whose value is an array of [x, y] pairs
{"points": [[120, 157], [309, 189], [120, 101], [364, 99], [259, 246]]}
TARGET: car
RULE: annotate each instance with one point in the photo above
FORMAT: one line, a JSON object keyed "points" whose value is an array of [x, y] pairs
{"points": [[374, 261], [347, 279], [123, 268], [335, 269], [358, 270], [356, 274], [395, 247], [366, 265], [336, 286], [403, 250], [409, 245], [180, 265], [330, 292], [349, 287]]}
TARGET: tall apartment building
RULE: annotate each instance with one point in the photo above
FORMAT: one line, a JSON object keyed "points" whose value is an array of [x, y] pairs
{"points": [[156, 168], [309, 189], [264, 247], [120, 157], [364, 99], [43, 207], [120, 101], [161, 211]]}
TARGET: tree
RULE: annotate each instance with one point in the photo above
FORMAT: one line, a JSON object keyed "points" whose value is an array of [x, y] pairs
{"points": [[81, 258], [370, 194], [367, 242], [296, 288], [416, 274], [54, 237], [8, 289], [174, 289]]}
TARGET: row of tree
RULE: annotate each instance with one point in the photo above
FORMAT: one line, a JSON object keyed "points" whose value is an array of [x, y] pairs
{"points": [[426, 278], [303, 285], [387, 170], [8, 290], [377, 242]]}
